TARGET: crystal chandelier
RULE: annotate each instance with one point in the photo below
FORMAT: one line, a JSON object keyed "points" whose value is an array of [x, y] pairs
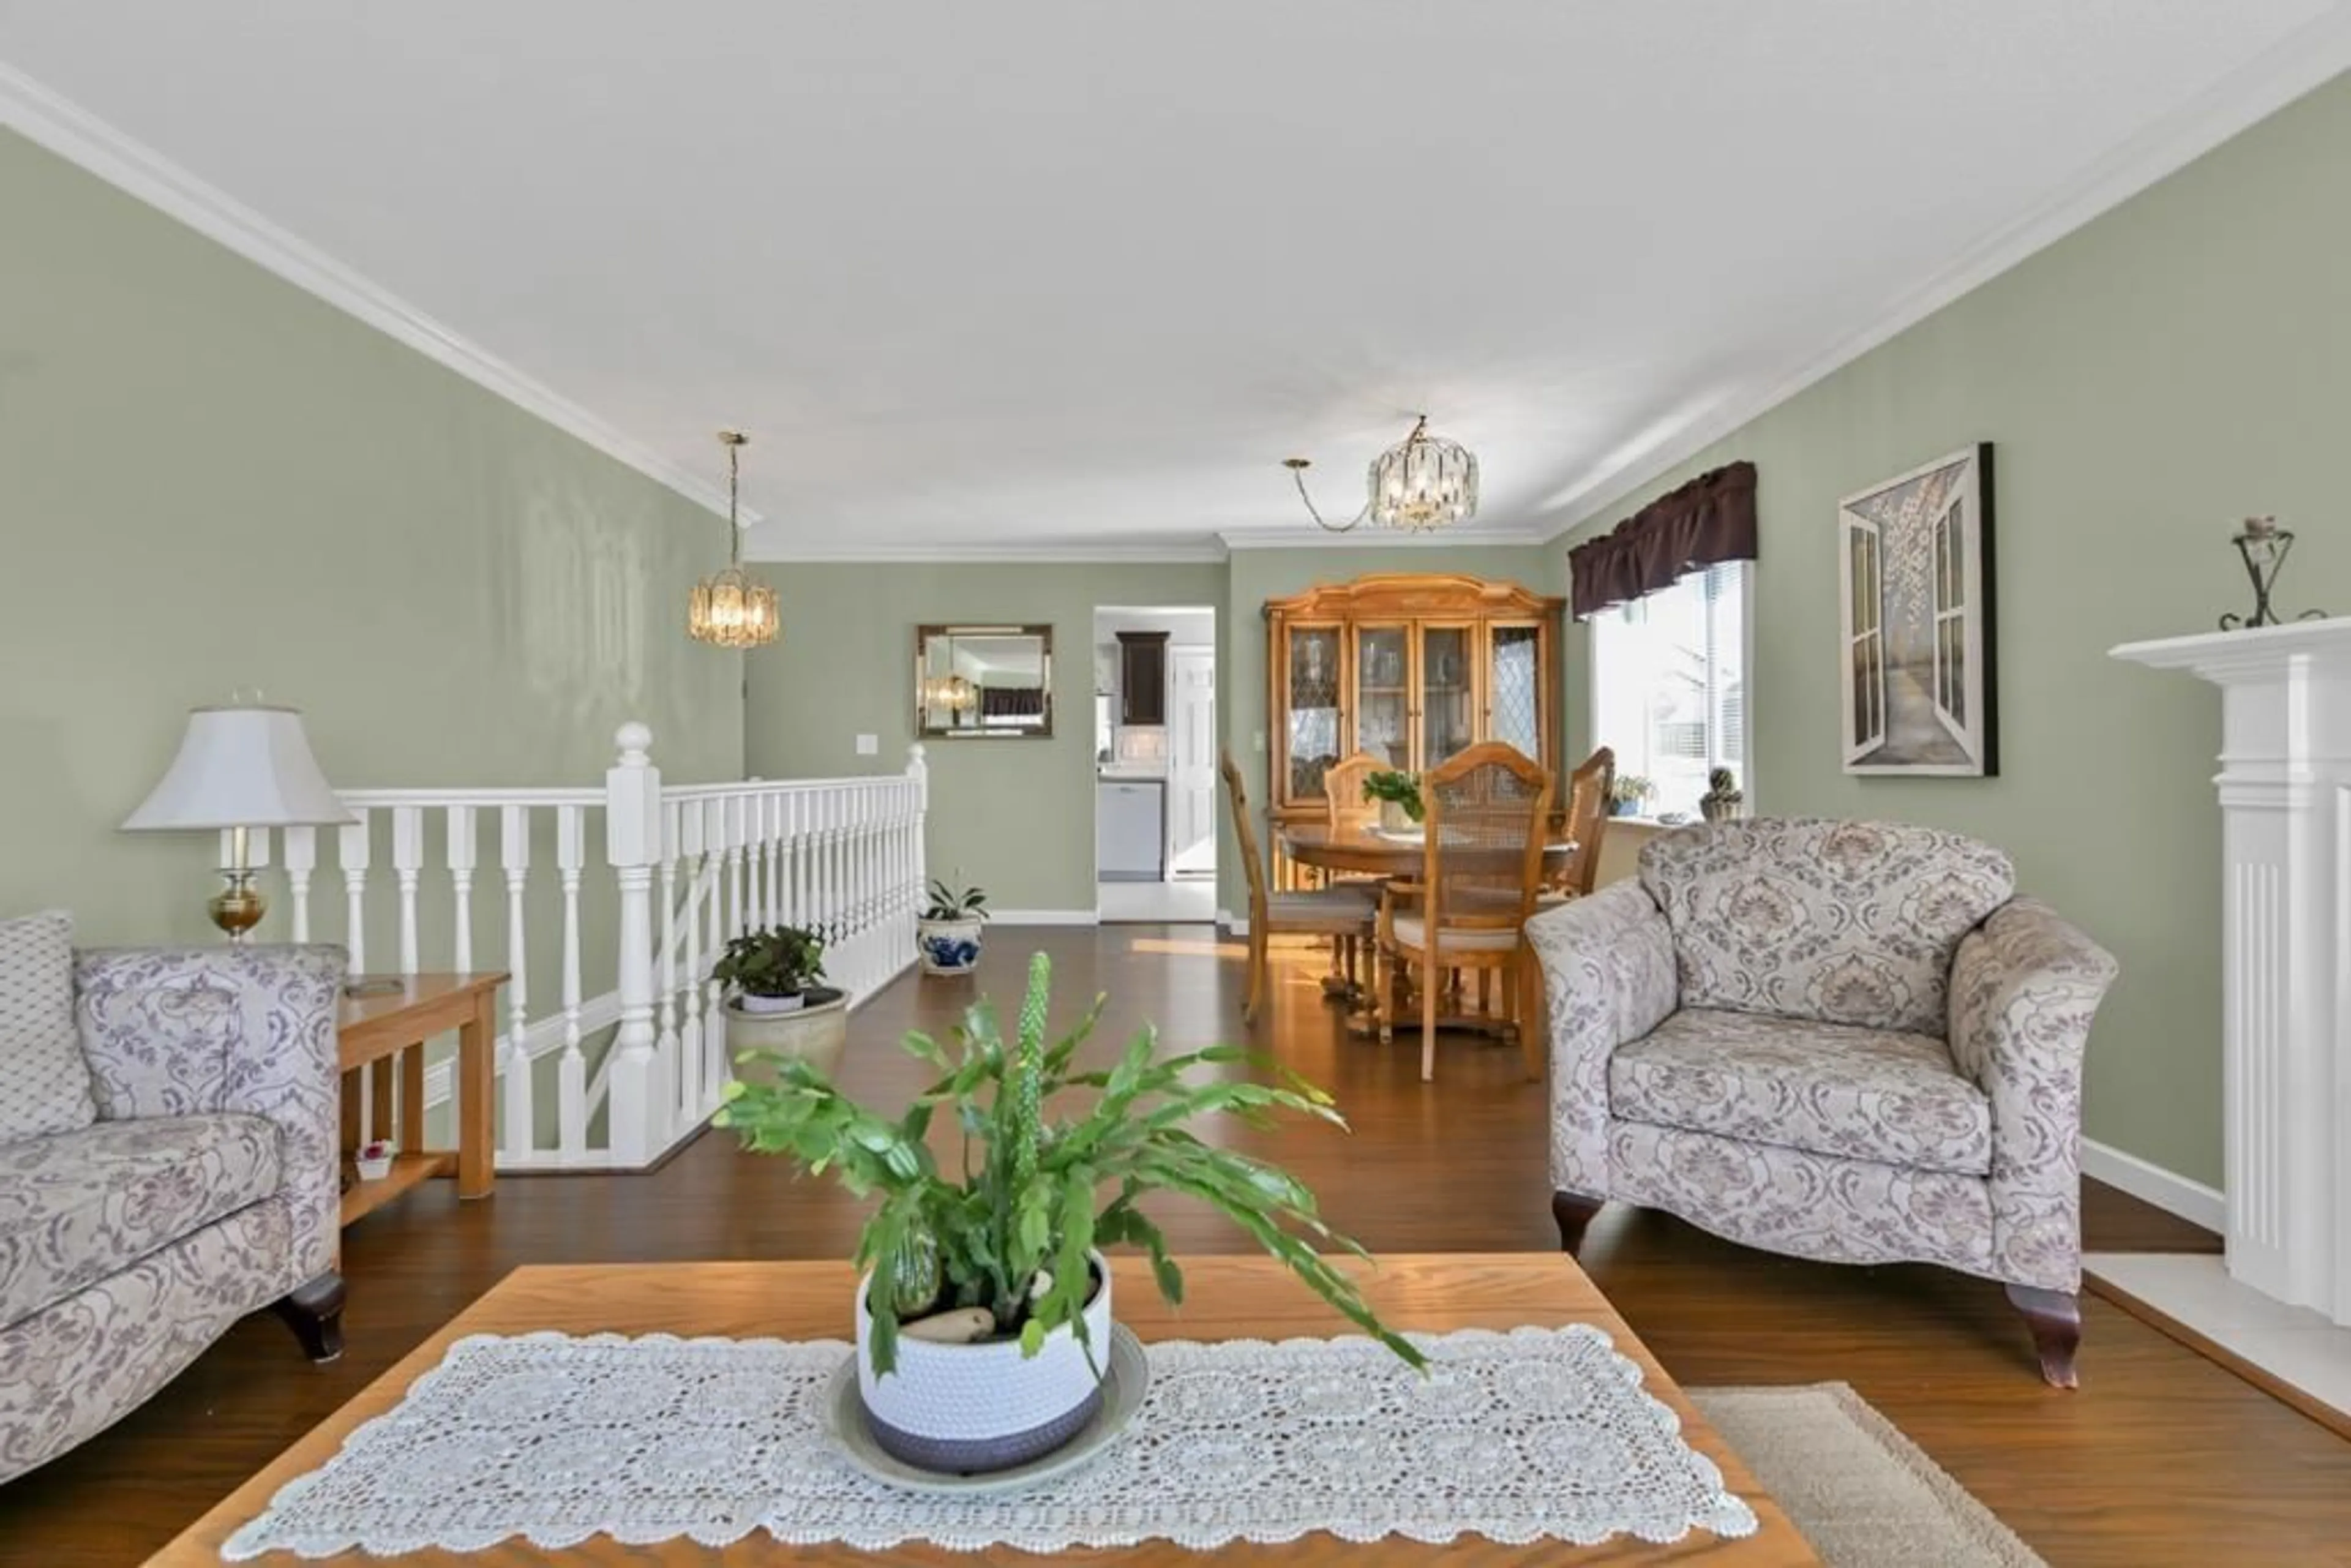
{"points": [[732, 609], [1422, 483]]}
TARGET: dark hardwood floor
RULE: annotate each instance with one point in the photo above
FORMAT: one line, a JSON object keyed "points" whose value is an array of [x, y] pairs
{"points": [[2162, 1456]]}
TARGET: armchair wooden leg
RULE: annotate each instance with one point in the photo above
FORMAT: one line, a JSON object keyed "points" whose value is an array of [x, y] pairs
{"points": [[1428, 1021], [1573, 1211], [1532, 1044], [2055, 1320], [313, 1311]]}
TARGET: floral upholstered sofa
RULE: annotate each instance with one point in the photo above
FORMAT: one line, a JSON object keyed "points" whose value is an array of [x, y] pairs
{"points": [[168, 1122], [1847, 1042]]}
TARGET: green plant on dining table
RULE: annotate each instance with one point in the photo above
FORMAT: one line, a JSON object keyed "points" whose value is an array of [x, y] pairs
{"points": [[1392, 784], [1011, 1226]]}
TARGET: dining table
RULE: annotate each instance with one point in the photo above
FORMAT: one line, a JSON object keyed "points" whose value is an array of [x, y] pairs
{"points": [[1368, 848]]}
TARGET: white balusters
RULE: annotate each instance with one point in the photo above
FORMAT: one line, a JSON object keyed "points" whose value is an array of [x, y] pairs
{"points": [[638, 1093], [407, 862], [351, 854], [684, 1077], [714, 1016], [519, 1136], [771, 823], [694, 1067], [458, 825], [571, 1072], [301, 852], [739, 838]]}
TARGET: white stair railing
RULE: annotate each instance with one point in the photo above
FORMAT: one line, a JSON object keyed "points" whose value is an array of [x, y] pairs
{"points": [[649, 884]]}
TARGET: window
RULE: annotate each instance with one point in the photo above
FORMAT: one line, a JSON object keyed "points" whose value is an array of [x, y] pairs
{"points": [[1669, 685]]}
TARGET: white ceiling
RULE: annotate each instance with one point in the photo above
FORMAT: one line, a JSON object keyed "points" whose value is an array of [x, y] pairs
{"points": [[1074, 275]]}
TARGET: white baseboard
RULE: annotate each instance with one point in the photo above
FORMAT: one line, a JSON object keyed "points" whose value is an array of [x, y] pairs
{"points": [[1044, 917], [1237, 925], [2150, 1183]]}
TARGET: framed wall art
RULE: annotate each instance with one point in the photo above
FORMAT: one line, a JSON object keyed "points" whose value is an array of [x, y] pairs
{"points": [[1915, 563]]}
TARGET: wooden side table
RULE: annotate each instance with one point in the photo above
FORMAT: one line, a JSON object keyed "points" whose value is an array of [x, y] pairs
{"points": [[384, 1030]]}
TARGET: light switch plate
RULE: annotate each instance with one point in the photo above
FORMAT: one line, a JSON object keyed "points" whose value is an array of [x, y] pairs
{"points": [[869, 746]]}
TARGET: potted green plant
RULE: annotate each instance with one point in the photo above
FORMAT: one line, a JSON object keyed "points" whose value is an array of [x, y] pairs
{"points": [[1398, 794], [947, 931], [984, 1312], [1627, 794], [775, 1006]]}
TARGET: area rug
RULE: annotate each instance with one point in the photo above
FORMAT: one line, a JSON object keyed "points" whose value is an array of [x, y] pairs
{"points": [[1860, 1492]]}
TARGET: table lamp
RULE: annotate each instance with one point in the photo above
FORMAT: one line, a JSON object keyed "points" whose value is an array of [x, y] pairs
{"points": [[240, 767]]}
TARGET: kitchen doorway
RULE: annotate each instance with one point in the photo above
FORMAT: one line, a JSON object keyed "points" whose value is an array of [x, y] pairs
{"points": [[1155, 764]]}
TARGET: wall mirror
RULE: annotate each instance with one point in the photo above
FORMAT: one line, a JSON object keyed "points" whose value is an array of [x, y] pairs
{"points": [[978, 682]]}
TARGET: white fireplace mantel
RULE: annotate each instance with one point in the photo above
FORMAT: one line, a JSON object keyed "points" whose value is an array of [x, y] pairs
{"points": [[2285, 804]]}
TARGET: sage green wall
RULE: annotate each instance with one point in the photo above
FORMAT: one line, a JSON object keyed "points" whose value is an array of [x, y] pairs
{"points": [[1015, 816], [2182, 360], [1258, 575], [209, 479]]}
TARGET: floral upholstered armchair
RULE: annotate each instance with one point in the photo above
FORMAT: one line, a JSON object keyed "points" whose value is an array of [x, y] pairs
{"points": [[169, 1125], [1847, 1042]]}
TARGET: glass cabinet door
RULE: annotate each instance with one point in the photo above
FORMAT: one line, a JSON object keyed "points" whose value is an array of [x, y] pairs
{"points": [[1448, 698], [1384, 694], [1311, 741], [1514, 686]]}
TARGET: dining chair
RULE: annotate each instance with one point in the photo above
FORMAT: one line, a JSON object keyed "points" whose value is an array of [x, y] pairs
{"points": [[1336, 913], [1485, 817], [1343, 791], [1586, 826]]}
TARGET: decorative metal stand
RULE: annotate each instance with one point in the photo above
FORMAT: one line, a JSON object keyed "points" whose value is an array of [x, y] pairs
{"points": [[2264, 547]]}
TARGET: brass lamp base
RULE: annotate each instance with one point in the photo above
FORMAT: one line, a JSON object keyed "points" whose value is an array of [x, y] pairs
{"points": [[237, 907]]}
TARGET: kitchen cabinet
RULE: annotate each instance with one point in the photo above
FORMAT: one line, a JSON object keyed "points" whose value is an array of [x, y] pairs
{"points": [[1129, 828], [1410, 668], [1143, 677]]}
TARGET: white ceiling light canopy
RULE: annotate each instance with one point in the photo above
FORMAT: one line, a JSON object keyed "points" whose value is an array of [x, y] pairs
{"points": [[1421, 483]]}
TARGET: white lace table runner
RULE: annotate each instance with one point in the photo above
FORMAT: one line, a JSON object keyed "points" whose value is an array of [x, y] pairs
{"points": [[1515, 1436]]}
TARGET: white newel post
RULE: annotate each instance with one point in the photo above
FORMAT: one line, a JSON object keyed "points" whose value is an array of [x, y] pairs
{"points": [[2285, 804], [918, 774], [636, 1104]]}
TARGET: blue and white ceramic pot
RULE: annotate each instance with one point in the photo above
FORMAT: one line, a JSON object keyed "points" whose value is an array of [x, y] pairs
{"points": [[948, 946]]}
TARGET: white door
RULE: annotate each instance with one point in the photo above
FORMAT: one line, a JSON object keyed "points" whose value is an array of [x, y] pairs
{"points": [[1191, 760]]}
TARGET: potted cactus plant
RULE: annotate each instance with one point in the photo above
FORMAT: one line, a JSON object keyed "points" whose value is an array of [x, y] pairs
{"points": [[1723, 801], [1398, 794], [947, 933], [984, 1313], [774, 1005]]}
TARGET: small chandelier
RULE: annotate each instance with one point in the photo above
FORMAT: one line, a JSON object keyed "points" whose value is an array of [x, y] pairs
{"points": [[1421, 483], [732, 609], [953, 694]]}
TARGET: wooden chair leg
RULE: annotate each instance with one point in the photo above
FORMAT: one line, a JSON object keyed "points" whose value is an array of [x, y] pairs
{"points": [[1257, 958], [1485, 991], [2055, 1320], [1428, 1021]]}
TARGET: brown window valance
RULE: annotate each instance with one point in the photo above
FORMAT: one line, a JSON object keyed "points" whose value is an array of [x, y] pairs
{"points": [[1708, 520]]}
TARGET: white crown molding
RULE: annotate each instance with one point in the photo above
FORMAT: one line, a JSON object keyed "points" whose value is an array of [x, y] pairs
{"points": [[2150, 1183], [1110, 551], [1309, 536], [81, 138], [2302, 61]]}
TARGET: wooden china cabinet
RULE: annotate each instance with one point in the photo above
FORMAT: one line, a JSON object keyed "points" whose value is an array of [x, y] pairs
{"points": [[1410, 668]]}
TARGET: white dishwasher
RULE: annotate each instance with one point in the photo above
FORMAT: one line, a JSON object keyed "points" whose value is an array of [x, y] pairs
{"points": [[1129, 828]]}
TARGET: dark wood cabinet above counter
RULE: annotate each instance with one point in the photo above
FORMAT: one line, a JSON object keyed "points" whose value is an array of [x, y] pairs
{"points": [[1143, 677]]}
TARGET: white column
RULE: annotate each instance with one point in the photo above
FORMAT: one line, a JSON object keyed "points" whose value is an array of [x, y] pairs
{"points": [[2285, 919], [636, 1100], [407, 862]]}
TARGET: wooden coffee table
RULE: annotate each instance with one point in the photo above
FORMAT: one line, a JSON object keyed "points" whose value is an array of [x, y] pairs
{"points": [[1235, 1297]]}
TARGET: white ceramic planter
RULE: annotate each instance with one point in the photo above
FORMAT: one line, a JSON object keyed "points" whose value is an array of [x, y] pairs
{"points": [[816, 1031], [948, 946], [1395, 817], [970, 1408]]}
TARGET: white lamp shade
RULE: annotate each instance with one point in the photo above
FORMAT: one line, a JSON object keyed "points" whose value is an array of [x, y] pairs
{"points": [[241, 767]]}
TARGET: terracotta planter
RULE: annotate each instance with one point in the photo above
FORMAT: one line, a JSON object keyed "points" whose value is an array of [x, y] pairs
{"points": [[971, 1408], [816, 1032]]}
